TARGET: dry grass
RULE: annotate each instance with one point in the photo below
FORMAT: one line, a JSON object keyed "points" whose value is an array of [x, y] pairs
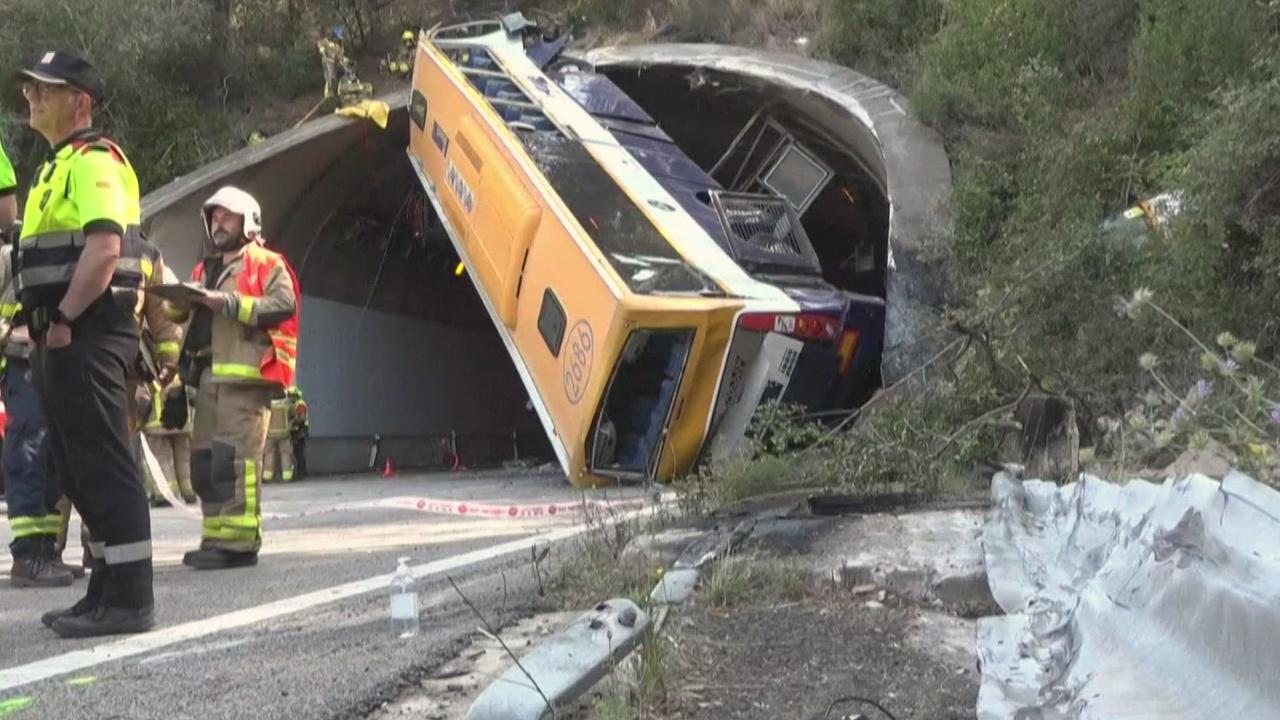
{"points": [[739, 579]]}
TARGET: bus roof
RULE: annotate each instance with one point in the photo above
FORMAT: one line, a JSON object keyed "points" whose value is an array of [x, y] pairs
{"points": [[633, 192]]}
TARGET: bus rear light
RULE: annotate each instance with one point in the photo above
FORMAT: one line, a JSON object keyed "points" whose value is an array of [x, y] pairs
{"points": [[801, 326]]}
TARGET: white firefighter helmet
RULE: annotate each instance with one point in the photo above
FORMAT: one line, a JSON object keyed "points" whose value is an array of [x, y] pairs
{"points": [[238, 202]]}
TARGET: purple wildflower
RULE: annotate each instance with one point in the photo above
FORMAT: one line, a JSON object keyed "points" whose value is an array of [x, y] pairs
{"points": [[1203, 389], [1178, 416], [1230, 365], [1275, 414]]}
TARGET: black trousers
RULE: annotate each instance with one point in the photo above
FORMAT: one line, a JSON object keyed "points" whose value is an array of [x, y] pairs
{"points": [[85, 397]]}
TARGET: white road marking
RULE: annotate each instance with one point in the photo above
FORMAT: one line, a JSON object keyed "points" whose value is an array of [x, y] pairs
{"points": [[78, 660]]}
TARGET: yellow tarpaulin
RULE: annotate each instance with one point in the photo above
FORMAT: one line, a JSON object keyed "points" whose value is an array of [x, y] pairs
{"points": [[367, 109]]}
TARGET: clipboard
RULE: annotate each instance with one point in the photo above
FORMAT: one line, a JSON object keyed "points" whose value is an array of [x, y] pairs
{"points": [[182, 293]]}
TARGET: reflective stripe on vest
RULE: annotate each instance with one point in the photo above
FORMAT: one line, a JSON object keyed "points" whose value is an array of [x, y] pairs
{"points": [[128, 274], [48, 261]]}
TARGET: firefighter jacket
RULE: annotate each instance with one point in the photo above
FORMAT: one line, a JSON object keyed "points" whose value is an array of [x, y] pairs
{"points": [[255, 338]]}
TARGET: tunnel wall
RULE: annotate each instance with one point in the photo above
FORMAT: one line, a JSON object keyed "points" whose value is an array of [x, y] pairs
{"points": [[876, 125], [401, 375]]}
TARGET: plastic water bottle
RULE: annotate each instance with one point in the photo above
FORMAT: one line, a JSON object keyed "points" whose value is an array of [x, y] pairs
{"points": [[404, 601]]}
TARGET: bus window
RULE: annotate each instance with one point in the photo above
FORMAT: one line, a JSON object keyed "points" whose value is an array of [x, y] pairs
{"points": [[629, 431], [645, 260]]}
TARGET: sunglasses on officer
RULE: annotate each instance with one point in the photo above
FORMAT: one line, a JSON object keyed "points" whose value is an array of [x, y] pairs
{"points": [[33, 90]]}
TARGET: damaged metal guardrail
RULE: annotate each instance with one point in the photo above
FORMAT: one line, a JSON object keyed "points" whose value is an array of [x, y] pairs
{"points": [[1133, 601], [572, 661], [566, 665]]}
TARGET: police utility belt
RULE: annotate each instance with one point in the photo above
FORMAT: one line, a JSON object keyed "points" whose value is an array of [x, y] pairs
{"points": [[44, 264]]}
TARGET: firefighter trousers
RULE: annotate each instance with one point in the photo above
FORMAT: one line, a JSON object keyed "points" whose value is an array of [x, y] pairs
{"points": [[173, 454], [83, 390], [279, 460], [228, 438], [31, 488]]}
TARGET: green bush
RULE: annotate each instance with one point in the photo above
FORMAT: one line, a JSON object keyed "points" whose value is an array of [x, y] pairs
{"points": [[173, 103], [880, 37], [1185, 50]]}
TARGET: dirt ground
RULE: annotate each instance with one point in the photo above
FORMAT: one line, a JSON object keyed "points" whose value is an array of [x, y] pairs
{"points": [[761, 662]]}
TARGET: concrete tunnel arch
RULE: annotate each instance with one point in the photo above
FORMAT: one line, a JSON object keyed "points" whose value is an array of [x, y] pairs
{"points": [[394, 345]]}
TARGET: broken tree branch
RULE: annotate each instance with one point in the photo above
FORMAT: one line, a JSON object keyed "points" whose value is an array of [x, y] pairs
{"points": [[489, 632], [969, 426]]}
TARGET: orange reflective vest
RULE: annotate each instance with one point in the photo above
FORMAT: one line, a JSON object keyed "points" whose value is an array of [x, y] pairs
{"points": [[278, 364]]}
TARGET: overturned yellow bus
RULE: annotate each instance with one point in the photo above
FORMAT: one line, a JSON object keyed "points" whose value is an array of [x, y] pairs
{"points": [[613, 269]]}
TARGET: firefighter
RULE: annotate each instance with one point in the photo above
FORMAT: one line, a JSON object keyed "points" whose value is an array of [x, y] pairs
{"points": [[8, 215], [287, 431], [400, 64], [340, 76], [299, 427], [332, 58], [156, 363], [168, 433], [278, 463], [78, 269], [32, 494], [239, 355]]}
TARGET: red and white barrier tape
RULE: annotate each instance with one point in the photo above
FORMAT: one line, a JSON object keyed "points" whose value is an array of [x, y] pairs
{"points": [[462, 508]]}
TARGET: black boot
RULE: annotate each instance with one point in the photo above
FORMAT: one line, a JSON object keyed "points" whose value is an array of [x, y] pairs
{"points": [[103, 620], [218, 559], [86, 604], [127, 605], [190, 555]]}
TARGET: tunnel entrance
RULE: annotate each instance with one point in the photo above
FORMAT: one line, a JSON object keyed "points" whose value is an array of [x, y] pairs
{"points": [[847, 220], [881, 238], [763, 142]]}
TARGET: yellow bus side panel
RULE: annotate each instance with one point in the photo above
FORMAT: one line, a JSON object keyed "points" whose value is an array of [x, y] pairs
{"points": [[500, 212]]}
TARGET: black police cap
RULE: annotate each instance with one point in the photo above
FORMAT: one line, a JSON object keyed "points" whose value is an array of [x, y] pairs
{"points": [[57, 68]]}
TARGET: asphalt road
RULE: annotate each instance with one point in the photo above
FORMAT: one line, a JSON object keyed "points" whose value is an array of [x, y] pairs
{"points": [[306, 633]]}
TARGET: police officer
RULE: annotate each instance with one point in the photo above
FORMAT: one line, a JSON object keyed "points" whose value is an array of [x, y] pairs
{"points": [[79, 271]]}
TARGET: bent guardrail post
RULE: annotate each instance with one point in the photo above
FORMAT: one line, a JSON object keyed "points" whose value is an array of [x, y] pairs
{"points": [[565, 665]]}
